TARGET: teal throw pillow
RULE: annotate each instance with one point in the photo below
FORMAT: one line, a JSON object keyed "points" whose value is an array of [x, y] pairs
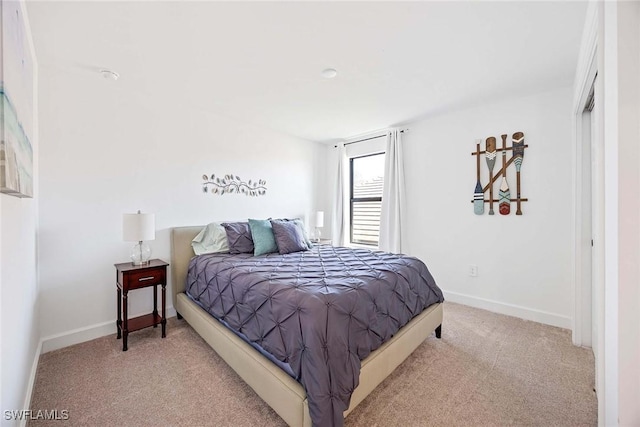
{"points": [[263, 240]]}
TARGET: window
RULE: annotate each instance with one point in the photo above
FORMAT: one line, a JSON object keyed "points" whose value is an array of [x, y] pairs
{"points": [[367, 179]]}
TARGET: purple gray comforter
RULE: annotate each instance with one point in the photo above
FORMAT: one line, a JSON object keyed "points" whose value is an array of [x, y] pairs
{"points": [[320, 311]]}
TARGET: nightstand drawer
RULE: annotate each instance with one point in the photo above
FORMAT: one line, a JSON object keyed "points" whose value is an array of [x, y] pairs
{"points": [[130, 277], [142, 278]]}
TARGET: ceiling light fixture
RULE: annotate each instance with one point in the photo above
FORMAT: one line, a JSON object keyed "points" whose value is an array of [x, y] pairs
{"points": [[109, 75], [329, 73]]}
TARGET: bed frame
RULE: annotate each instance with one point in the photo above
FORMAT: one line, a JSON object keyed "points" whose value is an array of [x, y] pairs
{"points": [[284, 394]]}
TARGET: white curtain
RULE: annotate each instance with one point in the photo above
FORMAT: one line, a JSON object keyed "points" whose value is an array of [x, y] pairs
{"points": [[393, 195], [339, 221]]}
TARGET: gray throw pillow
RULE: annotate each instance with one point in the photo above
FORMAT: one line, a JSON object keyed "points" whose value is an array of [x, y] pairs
{"points": [[289, 237], [300, 223], [239, 237]]}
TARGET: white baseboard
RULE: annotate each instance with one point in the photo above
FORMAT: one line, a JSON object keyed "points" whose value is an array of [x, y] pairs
{"points": [[31, 382], [87, 333], [510, 309]]}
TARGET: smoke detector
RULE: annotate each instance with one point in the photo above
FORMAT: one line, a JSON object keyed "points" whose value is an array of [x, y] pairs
{"points": [[109, 75], [329, 73]]}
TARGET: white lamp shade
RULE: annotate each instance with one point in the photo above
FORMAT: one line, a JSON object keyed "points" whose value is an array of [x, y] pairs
{"points": [[320, 219], [138, 227]]}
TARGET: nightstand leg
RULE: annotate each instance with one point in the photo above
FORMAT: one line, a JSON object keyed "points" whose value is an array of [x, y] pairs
{"points": [[164, 305], [125, 332], [155, 305], [119, 321]]}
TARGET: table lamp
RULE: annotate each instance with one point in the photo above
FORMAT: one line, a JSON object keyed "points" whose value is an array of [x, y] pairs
{"points": [[139, 227], [319, 224]]}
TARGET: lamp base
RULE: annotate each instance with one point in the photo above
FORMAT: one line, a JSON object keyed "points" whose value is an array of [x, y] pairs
{"points": [[140, 254]]}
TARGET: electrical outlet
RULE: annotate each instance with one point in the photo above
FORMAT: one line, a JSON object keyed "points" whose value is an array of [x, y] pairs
{"points": [[473, 270]]}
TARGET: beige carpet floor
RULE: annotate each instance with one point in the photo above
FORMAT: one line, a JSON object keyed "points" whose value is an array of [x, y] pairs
{"points": [[487, 369]]}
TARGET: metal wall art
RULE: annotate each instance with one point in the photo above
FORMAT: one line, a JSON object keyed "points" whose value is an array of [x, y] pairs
{"points": [[233, 184], [504, 195]]}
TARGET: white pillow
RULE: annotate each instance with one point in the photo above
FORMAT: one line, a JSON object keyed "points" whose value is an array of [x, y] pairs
{"points": [[212, 239]]}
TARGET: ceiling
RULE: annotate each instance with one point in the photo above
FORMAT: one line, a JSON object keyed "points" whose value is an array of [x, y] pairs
{"points": [[261, 62]]}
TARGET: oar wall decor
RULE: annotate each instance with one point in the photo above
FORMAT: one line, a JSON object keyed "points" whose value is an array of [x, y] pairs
{"points": [[518, 155], [504, 206], [504, 195], [478, 195], [490, 155]]}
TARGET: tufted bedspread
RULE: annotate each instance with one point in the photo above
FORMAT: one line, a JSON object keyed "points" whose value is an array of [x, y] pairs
{"points": [[321, 311]]}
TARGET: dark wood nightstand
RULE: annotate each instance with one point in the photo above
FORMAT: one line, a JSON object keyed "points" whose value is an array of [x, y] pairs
{"points": [[130, 277]]}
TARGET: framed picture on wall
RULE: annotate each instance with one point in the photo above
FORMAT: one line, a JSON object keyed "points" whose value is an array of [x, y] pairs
{"points": [[16, 103]]}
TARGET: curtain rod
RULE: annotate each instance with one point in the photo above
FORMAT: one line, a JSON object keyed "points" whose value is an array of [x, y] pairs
{"points": [[367, 139]]}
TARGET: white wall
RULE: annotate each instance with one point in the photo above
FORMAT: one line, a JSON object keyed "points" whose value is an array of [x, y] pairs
{"points": [[20, 329], [607, 382], [524, 262], [628, 57], [19, 290], [108, 149]]}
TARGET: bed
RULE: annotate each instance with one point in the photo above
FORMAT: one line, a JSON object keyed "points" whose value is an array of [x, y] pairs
{"points": [[275, 384]]}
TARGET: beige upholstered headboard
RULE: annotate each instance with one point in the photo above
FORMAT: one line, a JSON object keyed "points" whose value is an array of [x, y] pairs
{"points": [[181, 254]]}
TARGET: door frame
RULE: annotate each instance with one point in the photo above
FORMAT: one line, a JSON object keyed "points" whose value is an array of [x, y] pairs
{"points": [[585, 75]]}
